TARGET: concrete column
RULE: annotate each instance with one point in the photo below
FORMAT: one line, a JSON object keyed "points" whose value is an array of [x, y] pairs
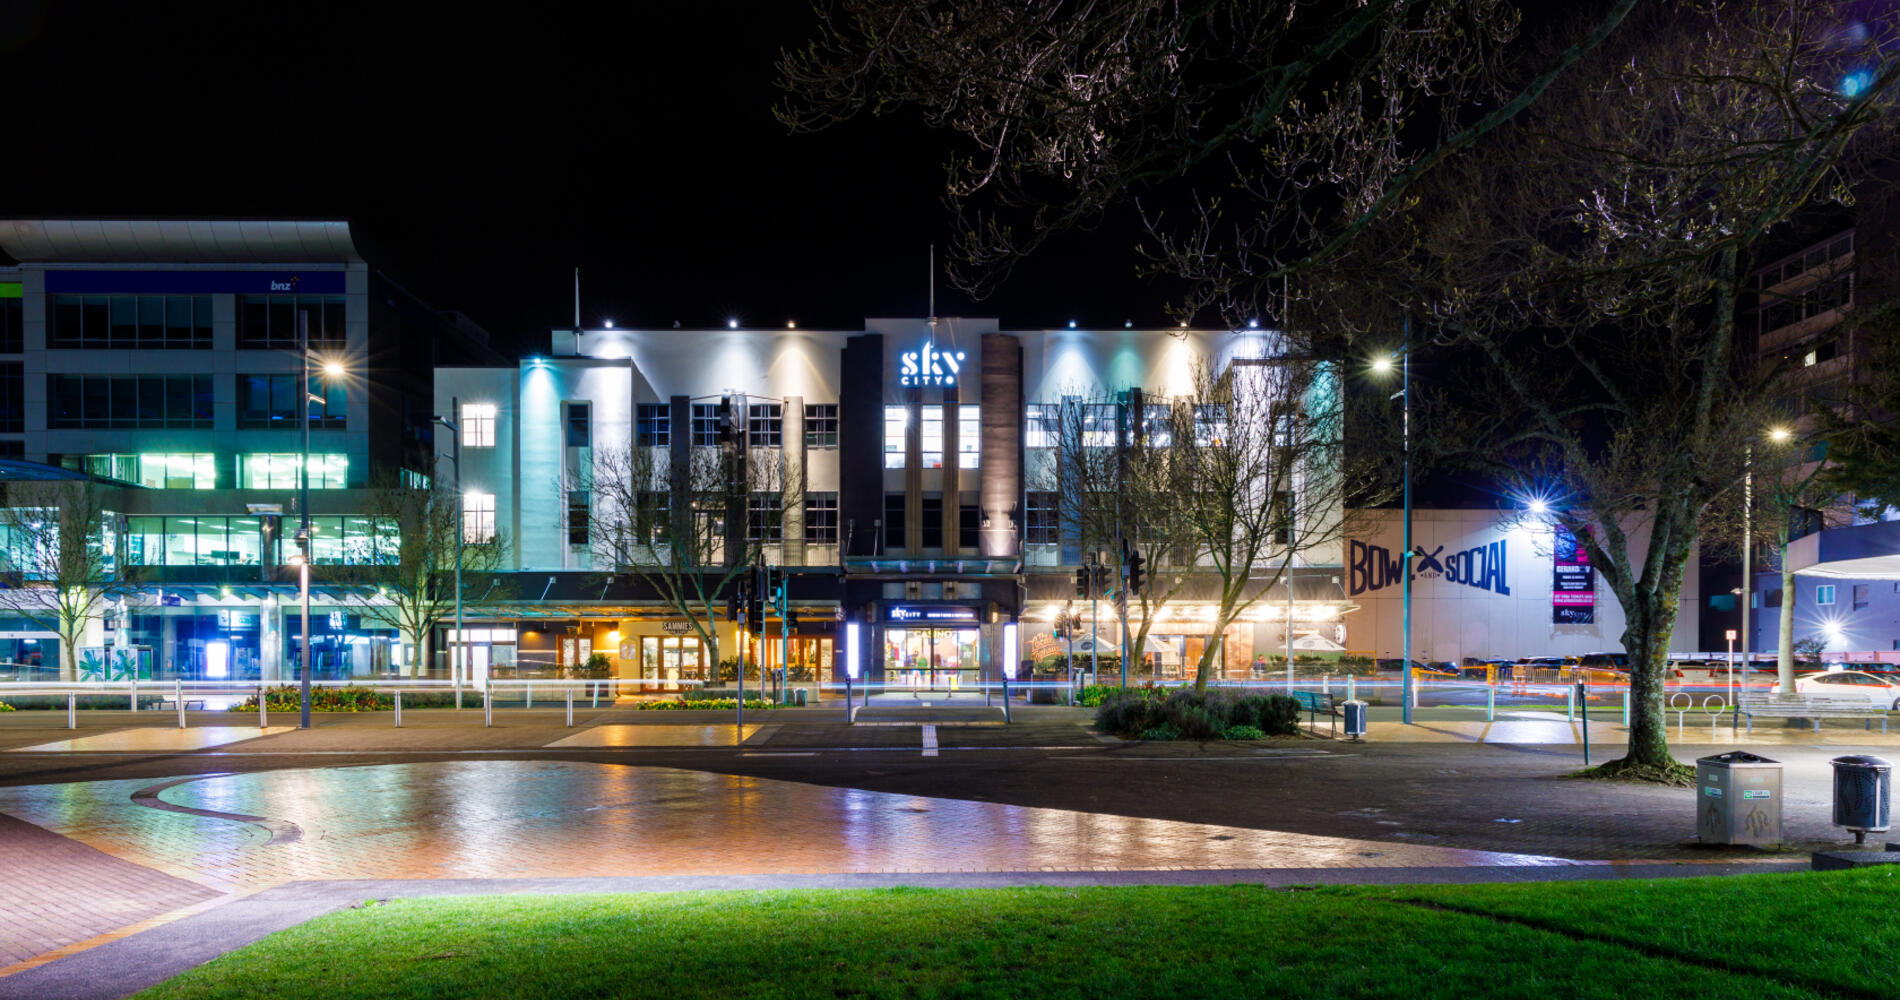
{"points": [[1000, 473], [952, 499], [914, 473]]}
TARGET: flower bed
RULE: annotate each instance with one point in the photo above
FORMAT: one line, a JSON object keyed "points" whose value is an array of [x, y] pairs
{"points": [[1181, 714]]}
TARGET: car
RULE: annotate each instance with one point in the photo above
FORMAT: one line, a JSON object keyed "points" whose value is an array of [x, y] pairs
{"points": [[1883, 692], [1395, 664]]}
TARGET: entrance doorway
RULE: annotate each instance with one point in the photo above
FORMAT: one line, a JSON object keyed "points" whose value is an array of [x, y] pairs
{"points": [[933, 659], [667, 660]]}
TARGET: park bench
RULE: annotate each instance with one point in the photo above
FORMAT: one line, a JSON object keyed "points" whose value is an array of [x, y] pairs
{"points": [[1813, 707], [1315, 702]]}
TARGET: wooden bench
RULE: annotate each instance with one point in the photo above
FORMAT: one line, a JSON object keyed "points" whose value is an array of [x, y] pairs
{"points": [[1813, 707], [1315, 702]]}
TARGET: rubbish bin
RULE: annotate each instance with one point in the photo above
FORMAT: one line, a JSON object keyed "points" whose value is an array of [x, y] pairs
{"points": [[1355, 719], [1738, 799], [799, 697], [1863, 795]]}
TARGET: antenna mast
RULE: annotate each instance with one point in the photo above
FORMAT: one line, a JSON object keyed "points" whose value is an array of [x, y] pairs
{"points": [[933, 283], [577, 298]]}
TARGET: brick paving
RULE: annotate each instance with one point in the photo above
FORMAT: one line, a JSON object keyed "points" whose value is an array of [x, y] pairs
{"points": [[60, 892]]}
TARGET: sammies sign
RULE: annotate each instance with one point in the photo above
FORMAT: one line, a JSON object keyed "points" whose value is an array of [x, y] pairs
{"points": [[1374, 567], [1573, 581]]}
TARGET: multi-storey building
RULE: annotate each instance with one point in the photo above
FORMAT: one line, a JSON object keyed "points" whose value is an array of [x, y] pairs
{"points": [[163, 359], [907, 492]]}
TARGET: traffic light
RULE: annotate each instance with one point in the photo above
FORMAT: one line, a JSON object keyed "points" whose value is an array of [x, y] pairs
{"points": [[1134, 571], [1100, 574], [1082, 581], [732, 601], [755, 604]]}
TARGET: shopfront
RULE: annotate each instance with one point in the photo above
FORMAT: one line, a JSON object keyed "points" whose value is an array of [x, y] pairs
{"points": [[936, 647]]}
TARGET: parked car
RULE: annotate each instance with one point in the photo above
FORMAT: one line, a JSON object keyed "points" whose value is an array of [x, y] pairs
{"points": [[1395, 665], [1881, 691]]}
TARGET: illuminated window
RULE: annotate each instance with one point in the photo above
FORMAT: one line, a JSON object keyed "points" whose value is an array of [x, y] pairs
{"points": [[969, 435], [1040, 426], [1098, 425], [896, 421], [478, 425], [261, 471], [182, 471], [933, 437], [478, 517]]}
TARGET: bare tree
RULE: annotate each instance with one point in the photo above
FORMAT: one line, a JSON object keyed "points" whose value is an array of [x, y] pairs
{"points": [[1593, 257], [61, 570], [405, 577], [1253, 137], [688, 534]]}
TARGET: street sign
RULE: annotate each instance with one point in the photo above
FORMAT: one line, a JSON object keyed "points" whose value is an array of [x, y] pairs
{"points": [[1731, 635]]}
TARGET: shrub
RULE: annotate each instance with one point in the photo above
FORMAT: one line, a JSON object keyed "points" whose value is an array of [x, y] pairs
{"points": [[1242, 733], [598, 667], [676, 705], [1161, 732], [4, 707], [1196, 717], [1093, 695]]}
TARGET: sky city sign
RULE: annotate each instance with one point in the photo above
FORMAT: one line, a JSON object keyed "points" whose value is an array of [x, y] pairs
{"points": [[1573, 581], [928, 366], [1374, 567]]}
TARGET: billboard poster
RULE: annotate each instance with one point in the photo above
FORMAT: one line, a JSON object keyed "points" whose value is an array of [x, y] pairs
{"points": [[1573, 581]]}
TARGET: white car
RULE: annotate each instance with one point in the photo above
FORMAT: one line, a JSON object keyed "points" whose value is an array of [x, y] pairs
{"points": [[1878, 690]]}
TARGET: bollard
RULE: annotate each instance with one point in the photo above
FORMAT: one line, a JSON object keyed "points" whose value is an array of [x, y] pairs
{"points": [[263, 714], [1351, 686], [1005, 701], [488, 707], [530, 703], [72, 710], [1570, 704], [570, 708], [135, 689], [847, 699], [1326, 684], [594, 686], [1626, 708], [1491, 704], [399, 708], [1586, 724], [178, 695]]}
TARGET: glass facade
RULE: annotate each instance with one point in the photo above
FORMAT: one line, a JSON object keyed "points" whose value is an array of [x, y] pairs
{"points": [[278, 471], [99, 322], [179, 471]]}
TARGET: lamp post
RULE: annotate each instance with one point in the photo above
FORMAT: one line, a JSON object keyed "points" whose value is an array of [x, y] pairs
{"points": [[1383, 365], [331, 369], [455, 457]]}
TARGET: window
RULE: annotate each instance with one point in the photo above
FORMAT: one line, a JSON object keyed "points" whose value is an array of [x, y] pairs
{"points": [[478, 425], [821, 425], [181, 471], [765, 517], [969, 435], [653, 425], [1861, 595], [1772, 599], [578, 432], [1210, 424], [114, 402], [12, 319], [968, 523], [353, 541], [652, 521], [705, 425], [765, 424], [894, 522], [1721, 602], [896, 421], [932, 514], [1282, 517], [933, 437], [1043, 524], [413, 480], [1041, 425], [264, 471], [271, 401], [1157, 425], [578, 511], [12, 396], [478, 517], [91, 322], [14, 448], [1098, 425], [1824, 594], [821, 518], [239, 541], [270, 321]]}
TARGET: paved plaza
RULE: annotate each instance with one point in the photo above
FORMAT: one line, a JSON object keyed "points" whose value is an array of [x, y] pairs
{"points": [[129, 829]]}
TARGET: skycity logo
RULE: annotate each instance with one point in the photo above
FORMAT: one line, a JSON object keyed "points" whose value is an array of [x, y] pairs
{"points": [[929, 366], [1373, 567]]}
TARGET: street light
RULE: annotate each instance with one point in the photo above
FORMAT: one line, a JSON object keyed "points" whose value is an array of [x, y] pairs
{"points": [[331, 369], [455, 652], [1383, 365]]}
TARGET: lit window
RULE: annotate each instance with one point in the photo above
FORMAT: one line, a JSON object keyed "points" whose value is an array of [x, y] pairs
{"points": [[1156, 423], [478, 517], [1098, 425], [896, 420], [478, 425], [969, 436], [182, 471], [260, 471], [1039, 425], [933, 437]]}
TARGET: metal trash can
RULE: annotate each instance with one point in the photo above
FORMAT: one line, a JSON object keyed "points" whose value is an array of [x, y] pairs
{"points": [[1355, 719], [1738, 799], [799, 697], [1863, 795]]}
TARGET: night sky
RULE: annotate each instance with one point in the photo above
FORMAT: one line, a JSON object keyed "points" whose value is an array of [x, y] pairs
{"points": [[483, 156]]}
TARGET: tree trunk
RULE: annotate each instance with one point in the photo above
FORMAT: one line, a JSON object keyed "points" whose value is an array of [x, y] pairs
{"points": [[1784, 632], [1204, 672], [1647, 641]]}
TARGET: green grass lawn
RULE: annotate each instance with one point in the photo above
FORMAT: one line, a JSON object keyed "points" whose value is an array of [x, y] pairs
{"points": [[1755, 937]]}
